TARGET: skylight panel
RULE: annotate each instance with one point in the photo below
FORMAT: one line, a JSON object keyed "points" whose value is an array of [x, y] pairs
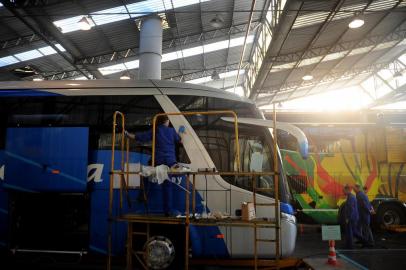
{"points": [[231, 73], [132, 64], [310, 61], [240, 41], [169, 56], [192, 51], [386, 45], [216, 46], [70, 24], [109, 18], [361, 50], [59, 46], [221, 75], [334, 56], [8, 60], [200, 80], [112, 69], [48, 50], [28, 55], [81, 78]]}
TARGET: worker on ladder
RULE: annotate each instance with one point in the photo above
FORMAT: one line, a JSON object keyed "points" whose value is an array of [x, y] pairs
{"points": [[165, 152]]}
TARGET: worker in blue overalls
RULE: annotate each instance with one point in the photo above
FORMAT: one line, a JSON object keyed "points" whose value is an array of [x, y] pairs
{"points": [[365, 210], [165, 153], [351, 217]]}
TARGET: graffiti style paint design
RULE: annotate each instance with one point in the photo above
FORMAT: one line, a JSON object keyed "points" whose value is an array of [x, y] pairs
{"points": [[318, 182]]}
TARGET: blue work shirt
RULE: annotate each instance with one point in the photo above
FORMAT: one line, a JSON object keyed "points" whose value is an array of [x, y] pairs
{"points": [[364, 207], [351, 208], [165, 144]]}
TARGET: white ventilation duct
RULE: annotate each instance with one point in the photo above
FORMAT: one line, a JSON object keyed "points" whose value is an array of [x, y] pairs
{"points": [[150, 48]]}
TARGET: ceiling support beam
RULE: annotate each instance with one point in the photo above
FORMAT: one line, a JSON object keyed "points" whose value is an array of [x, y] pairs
{"points": [[41, 25], [281, 33], [18, 42], [193, 74]]}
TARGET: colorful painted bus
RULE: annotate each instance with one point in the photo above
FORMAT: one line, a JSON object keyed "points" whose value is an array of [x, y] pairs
{"points": [[55, 153], [373, 156]]}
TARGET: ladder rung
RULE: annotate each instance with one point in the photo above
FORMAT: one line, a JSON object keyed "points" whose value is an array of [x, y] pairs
{"points": [[266, 204], [265, 240], [264, 189], [270, 225]]}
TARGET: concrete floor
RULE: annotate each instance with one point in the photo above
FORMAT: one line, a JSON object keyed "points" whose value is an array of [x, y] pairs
{"points": [[389, 253]]}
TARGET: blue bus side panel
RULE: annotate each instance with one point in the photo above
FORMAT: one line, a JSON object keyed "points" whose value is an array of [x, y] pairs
{"points": [[3, 206], [100, 201], [3, 218], [47, 159]]}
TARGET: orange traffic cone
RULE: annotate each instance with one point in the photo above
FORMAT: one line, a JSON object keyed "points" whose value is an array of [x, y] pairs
{"points": [[332, 257]]}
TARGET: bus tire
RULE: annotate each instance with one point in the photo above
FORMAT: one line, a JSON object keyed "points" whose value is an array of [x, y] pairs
{"points": [[166, 250], [390, 214]]}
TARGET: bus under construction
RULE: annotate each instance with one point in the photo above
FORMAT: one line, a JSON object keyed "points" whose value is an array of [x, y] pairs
{"points": [[55, 160]]}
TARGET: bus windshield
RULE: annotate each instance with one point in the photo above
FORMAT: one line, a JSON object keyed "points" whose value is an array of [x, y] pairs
{"points": [[218, 137]]}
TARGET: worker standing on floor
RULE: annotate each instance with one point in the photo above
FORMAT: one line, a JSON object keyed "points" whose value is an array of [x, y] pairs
{"points": [[351, 217], [165, 152], [365, 210]]}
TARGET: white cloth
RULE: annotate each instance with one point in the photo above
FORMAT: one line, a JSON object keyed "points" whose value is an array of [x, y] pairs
{"points": [[156, 174], [161, 173]]}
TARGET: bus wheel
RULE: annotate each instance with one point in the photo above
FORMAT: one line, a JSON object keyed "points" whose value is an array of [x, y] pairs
{"points": [[159, 252], [390, 214]]}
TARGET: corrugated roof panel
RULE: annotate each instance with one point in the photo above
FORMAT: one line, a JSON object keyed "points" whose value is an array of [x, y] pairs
{"points": [[382, 5], [109, 18]]}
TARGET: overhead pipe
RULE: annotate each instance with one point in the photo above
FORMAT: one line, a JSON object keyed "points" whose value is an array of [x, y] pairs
{"points": [[245, 44], [150, 48]]}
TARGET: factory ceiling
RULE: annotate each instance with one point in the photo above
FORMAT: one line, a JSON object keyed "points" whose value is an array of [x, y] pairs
{"points": [[269, 50]]}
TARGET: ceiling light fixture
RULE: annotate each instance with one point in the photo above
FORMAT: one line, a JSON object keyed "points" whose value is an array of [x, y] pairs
{"points": [[125, 76], [37, 79], [217, 21], [84, 24], [356, 22], [307, 77]]}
